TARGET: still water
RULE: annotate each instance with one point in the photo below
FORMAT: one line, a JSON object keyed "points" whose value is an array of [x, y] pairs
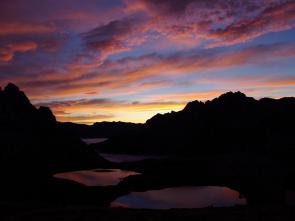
{"points": [[182, 197], [97, 177], [118, 158], [89, 141], [123, 158]]}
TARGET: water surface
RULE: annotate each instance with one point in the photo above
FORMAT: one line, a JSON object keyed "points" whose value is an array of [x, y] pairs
{"points": [[93, 140], [182, 197], [97, 177], [121, 158]]}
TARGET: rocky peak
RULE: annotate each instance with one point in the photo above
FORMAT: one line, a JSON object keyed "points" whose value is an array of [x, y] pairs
{"points": [[193, 105], [11, 88], [16, 109], [46, 114], [232, 99]]}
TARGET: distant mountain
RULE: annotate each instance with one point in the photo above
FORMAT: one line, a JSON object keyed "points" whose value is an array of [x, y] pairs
{"points": [[99, 129], [33, 147], [230, 123]]}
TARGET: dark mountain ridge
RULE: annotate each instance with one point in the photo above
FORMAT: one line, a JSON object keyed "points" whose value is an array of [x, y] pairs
{"points": [[33, 147], [232, 122], [232, 140], [16, 111]]}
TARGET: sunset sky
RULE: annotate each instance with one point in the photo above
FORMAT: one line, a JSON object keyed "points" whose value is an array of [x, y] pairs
{"points": [[111, 60]]}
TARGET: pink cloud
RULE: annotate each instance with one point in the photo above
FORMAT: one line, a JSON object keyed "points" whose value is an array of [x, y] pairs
{"points": [[221, 21], [116, 36], [133, 74], [17, 28], [7, 52], [272, 19]]}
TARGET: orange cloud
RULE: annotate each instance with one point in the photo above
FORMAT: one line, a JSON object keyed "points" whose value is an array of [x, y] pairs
{"points": [[7, 52], [82, 119], [17, 28], [185, 97], [137, 74], [246, 82]]}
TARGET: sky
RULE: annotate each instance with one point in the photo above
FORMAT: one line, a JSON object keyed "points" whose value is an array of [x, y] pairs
{"points": [[126, 60]]}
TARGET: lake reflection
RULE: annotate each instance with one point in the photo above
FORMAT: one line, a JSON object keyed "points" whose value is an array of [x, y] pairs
{"points": [[121, 158], [98, 177], [89, 141], [182, 197]]}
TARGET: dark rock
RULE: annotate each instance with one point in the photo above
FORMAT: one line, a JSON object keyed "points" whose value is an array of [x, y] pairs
{"points": [[230, 123], [11, 88], [33, 147]]}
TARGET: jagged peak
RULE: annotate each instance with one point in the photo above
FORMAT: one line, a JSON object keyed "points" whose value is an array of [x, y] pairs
{"points": [[230, 94], [232, 97], [154, 118], [16, 97], [46, 113], [46, 110], [11, 88], [193, 105]]}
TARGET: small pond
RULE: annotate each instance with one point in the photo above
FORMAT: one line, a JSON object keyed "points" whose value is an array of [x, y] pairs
{"points": [[96, 177], [89, 141], [121, 158], [182, 197]]}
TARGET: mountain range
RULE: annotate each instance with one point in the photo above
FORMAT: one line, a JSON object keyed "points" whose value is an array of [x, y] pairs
{"points": [[232, 122], [231, 137]]}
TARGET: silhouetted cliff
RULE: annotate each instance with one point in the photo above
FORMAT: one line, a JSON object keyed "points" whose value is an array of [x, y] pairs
{"points": [[33, 147], [230, 123], [16, 112]]}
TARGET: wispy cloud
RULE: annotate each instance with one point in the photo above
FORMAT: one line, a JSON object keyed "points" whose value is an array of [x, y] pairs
{"points": [[7, 52], [224, 22], [136, 74], [129, 59]]}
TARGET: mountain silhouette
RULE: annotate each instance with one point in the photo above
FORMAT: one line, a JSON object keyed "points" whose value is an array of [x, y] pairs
{"points": [[33, 147], [231, 140], [16, 111], [232, 122]]}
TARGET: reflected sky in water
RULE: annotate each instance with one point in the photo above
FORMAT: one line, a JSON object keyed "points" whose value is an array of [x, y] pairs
{"points": [[121, 158], [98, 177], [182, 197], [93, 140]]}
